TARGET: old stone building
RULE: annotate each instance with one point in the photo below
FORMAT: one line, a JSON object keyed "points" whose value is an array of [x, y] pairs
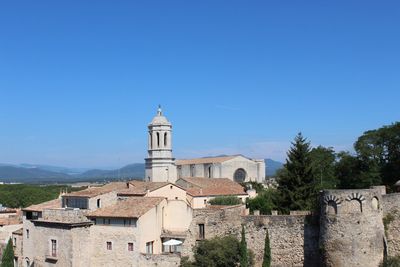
{"points": [[162, 167]]}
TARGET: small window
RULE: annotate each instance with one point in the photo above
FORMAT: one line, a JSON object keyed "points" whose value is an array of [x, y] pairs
{"points": [[109, 245], [201, 231], [27, 233], [54, 248], [130, 246], [15, 241], [28, 264], [205, 201], [106, 221], [170, 187], [149, 247], [98, 203], [165, 139]]}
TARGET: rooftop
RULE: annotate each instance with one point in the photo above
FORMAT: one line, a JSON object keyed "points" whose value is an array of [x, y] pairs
{"points": [[139, 188], [52, 204], [205, 160], [132, 207], [96, 191], [213, 187]]}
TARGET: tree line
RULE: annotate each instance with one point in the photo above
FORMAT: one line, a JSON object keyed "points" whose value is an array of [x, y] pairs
{"points": [[375, 161]]}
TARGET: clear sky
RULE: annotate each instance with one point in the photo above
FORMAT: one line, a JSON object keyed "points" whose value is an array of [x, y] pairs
{"points": [[80, 80]]}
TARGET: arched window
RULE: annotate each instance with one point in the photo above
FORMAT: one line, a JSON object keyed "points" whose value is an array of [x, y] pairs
{"points": [[375, 203], [151, 140], [158, 139], [239, 176], [165, 139], [355, 206], [209, 172], [331, 207]]}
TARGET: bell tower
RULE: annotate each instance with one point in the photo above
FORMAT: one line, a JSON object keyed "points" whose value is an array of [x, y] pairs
{"points": [[160, 165]]}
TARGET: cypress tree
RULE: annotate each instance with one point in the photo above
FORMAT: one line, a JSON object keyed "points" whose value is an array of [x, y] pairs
{"points": [[267, 252], [297, 187], [8, 255], [243, 250]]}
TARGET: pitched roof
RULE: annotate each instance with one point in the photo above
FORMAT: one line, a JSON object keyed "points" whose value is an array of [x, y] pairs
{"points": [[205, 160], [139, 188], [132, 207], [213, 187], [52, 204], [96, 191]]}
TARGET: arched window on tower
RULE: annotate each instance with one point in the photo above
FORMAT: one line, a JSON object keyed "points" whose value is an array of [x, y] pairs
{"points": [[165, 139], [151, 140], [158, 139]]}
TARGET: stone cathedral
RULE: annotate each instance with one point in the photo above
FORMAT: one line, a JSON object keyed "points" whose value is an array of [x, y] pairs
{"points": [[161, 166]]}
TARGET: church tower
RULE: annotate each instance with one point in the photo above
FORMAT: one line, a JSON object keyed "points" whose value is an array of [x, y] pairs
{"points": [[160, 165]]}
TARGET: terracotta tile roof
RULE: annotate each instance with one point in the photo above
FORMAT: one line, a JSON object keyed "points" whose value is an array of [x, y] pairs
{"points": [[132, 207], [52, 204], [213, 187], [96, 191], [139, 188], [205, 160]]}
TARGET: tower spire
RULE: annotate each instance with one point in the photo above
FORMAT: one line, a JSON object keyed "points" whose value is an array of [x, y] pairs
{"points": [[159, 110]]}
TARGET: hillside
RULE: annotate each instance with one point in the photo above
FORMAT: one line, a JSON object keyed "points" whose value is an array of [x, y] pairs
{"points": [[272, 166]]}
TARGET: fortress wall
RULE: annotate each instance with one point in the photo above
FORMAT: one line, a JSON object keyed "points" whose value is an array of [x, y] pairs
{"points": [[351, 228], [293, 238], [391, 218]]}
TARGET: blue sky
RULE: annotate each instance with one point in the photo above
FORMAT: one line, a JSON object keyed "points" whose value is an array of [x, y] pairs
{"points": [[80, 80]]}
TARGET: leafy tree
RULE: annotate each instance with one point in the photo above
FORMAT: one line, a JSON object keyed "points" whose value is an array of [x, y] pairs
{"points": [[297, 187], [8, 255], [217, 252], [265, 201], [267, 252], [225, 200], [323, 167], [244, 261], [379, 150]]}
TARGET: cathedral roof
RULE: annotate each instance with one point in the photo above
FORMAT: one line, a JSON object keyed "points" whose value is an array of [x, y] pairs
{"points": [[133, 207], [205, 160]]}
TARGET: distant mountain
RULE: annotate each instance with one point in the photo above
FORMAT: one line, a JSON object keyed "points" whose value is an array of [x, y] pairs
{"points": [[27, 175], [272, 166], [135, 170]]}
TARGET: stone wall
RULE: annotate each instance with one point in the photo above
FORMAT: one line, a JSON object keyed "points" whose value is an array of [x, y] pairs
{"points": [[293, 238], [391, 218], [164, 260]]}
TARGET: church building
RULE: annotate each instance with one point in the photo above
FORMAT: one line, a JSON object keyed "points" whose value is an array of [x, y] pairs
{"points": [[161, 166]]}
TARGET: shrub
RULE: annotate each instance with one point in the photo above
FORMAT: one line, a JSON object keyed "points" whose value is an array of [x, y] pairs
{"points": [[226, 201]]}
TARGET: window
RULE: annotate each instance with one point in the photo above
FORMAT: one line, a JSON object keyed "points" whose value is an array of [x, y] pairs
{"points": [[192, 170], [239, 176], [27, 263], [98, 203], [130, 246], [15, 241], [149, 247], [27, 233], [109, 245], [76, 202], [158, 139], [201, 231], [106, 221], [205, 201], [54, 248], [165, 139]]}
